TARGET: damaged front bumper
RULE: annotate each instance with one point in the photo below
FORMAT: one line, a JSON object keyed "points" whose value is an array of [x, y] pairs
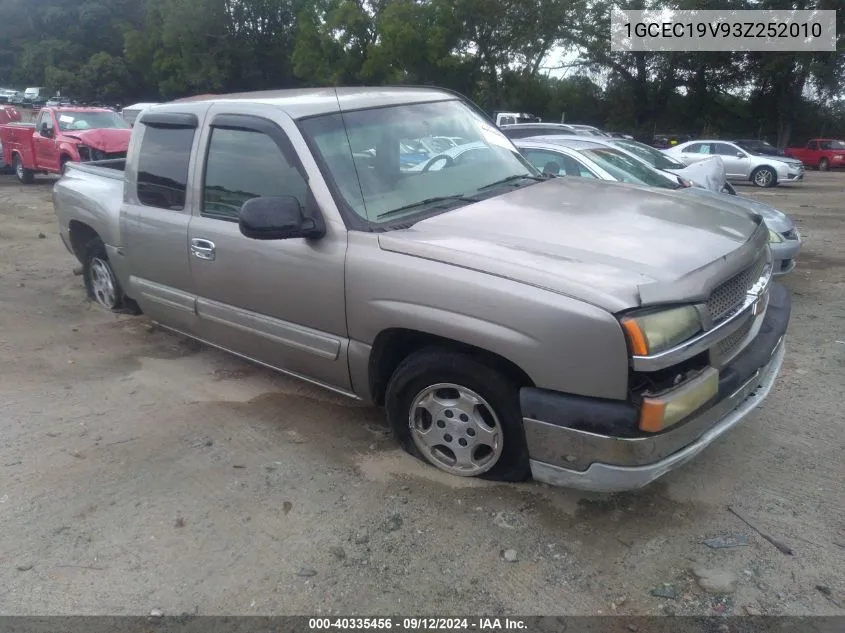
{"points": [[603, 462]]}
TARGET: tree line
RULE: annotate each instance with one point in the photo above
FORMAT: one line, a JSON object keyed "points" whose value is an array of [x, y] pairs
{"points": [[503, 54]]}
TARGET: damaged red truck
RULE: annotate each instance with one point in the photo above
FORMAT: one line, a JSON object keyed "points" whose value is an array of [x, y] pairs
{"points": [[62, 135]]}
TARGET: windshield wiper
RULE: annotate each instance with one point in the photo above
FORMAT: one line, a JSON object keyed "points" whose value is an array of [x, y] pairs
{"points": [[422, 203], [511, 179]]}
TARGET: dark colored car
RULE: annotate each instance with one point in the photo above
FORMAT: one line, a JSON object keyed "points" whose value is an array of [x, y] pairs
{"points": [[761, 148]]}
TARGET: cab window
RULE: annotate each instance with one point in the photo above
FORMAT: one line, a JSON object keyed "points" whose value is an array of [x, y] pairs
{"points": [[245, 164], [45, 121]]}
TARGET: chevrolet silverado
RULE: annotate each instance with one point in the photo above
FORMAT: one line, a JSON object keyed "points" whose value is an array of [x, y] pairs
{"points": [[591, 334]]}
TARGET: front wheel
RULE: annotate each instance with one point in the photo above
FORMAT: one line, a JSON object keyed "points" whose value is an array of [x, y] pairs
{"points": [[764, 177], [823, 164], [458, 414], [26, 176]]}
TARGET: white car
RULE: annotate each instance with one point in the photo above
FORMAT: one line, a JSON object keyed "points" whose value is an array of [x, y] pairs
{"points": [[587, 130], [456, 155], [707, 174], [132, 112], [740, 165]]}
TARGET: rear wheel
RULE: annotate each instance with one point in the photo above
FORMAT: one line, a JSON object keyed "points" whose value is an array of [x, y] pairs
{"points": [[100, 280], [458, 414], [26, 176], [823, 164], [764, 177]]}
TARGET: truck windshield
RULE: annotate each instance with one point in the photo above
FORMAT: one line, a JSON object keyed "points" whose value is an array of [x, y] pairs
{"points": [[627, 169], [381, 164], [70, 120]]}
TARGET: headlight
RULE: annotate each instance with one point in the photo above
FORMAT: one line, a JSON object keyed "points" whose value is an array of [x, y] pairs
{"points": [[656, 332], [774, 237]]}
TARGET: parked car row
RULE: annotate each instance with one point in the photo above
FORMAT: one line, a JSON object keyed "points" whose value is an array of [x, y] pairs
{"points": [[616, 161], [595, 329]]}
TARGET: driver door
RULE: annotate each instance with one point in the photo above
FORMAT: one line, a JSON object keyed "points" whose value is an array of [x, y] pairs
{"points": [[278, 302], [737, 163], [44, 142]]}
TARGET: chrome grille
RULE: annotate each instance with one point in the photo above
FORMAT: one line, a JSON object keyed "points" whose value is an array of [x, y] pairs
{"points": [[728, 345], [728, 297]]}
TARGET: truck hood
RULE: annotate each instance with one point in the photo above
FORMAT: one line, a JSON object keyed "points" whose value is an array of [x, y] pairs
{"points": [[107, 140], [613, 245]]}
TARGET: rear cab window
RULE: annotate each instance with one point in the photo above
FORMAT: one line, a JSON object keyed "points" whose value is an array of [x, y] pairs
{"points": [[163, 162]]}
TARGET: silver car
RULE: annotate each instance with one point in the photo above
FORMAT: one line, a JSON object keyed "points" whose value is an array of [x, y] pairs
{"points": [[587, 130], [595, 158], [708, 174], [741, 165], [523, 130]]}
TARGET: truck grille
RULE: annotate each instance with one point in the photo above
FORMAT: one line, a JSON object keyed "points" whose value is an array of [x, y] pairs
{"points": [[728, 297], [725, 348]]}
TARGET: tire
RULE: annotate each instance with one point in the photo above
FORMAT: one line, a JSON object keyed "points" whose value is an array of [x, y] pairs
{"points": [[489, 436], [100, 281], [63, 164], [729, 189], [823, 165], [764, 177], [26, 176]]}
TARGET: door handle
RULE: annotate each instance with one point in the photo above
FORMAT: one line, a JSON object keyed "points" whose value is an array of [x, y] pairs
{"points": [[202, 248]]}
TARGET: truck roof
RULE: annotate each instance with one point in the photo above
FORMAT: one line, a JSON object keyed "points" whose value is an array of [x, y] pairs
{"points": [[304, 102]]}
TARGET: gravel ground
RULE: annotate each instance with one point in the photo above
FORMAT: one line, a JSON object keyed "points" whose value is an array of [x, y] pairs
{"points": [[139, 471]]}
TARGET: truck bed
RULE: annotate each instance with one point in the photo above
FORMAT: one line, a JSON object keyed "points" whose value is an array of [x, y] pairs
{"points": [[87, 199], [112, 168], [16, 137]]}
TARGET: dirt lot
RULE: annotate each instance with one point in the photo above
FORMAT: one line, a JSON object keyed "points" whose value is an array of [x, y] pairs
{"points": [[141, 471]]}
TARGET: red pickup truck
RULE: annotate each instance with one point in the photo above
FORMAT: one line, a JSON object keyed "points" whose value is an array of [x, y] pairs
{"points": [[60, 135], [822, 153], [8, 114]]}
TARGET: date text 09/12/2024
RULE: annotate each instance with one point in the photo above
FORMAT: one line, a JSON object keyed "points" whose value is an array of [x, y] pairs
{"points": [[417, 624]]}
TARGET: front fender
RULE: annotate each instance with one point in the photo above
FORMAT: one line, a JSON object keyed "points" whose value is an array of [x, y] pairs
{"points": [[70, 149], [561, 343]]}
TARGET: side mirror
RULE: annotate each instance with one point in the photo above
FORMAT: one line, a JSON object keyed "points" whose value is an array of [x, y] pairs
{"points": [[277, 218], [740, 155], [45, 131]]}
